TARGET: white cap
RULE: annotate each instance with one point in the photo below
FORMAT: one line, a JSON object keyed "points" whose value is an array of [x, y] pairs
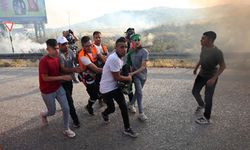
{"points": [[62, 40]]}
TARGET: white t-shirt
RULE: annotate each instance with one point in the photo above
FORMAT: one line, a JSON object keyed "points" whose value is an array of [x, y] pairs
{"points": [[99, 49], [113, 64]]}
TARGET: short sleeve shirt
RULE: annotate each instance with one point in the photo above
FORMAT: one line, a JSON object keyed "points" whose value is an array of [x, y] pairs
{"points": [[50, 66], [113, 64], [210, 58], [137, 57]]}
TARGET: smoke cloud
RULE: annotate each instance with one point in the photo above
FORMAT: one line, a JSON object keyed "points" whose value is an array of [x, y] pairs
{"points": [[21, 43]]}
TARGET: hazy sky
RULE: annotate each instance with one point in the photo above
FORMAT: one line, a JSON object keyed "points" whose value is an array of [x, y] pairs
{"points": [[65, 12]]}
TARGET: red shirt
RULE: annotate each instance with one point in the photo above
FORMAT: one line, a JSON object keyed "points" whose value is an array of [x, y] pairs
{"points": [[49, 65]]}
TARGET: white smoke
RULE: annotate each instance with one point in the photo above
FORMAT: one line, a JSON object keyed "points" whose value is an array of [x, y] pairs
{"points": [[21, 43]]}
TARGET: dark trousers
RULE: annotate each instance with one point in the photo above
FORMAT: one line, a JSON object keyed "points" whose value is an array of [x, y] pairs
{"points": [[93, 91], [118, 96], [199, 83], [68, 87], [125, 72]]}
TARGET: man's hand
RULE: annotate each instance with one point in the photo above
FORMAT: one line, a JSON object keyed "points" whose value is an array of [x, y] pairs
{"points": [[211, 82], [67, 77], [78, 70], [132, 74], [130, 77]]}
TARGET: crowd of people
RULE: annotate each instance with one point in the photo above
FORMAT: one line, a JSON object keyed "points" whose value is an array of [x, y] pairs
{"points": [[109, 74]]}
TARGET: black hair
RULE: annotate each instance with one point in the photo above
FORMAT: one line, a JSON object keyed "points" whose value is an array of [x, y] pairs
{"points": [[51, 43], [96, 32], [120, 40], [85, 39], [211, 35]]}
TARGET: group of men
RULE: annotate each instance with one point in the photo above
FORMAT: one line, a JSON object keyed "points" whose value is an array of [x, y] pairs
{"points": [[101, 74], [107, 75]]}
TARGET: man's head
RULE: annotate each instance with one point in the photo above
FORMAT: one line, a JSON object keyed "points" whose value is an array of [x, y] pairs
{"points": [[121, 47], [208, 38], [136, 40], [64, 33], [97, 36], [86, 44], [129, 33], [63, 43], [52, 47]]}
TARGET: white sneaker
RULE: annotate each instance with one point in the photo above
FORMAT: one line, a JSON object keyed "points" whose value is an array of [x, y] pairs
{"points": [[69, 133], [202, 121], [142, 117], [131, 108], [44, 119]]}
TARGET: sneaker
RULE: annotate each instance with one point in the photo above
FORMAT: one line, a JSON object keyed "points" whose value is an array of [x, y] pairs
{"points": [[203, 121], [199, 109], [76, 125], [44, 119], [90, 110], [130, 133], [69, 133], [142, 117], [105, 118], [131, 108]]}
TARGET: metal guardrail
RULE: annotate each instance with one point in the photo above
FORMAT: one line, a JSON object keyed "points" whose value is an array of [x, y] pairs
{"points": [[21, 56], [39, 55]]}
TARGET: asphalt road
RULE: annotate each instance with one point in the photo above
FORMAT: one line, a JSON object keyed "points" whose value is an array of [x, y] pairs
{"points": [[168, 104]]}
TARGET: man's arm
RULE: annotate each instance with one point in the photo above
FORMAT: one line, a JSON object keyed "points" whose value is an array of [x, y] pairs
{"points": [[196, 67], [143, 66], [102, 58], [118, 77], [47, 78], [222, 67], [70, 70], [94, 68]]}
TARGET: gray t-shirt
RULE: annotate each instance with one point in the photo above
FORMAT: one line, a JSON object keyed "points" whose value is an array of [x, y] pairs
{"points": [[68, 60], [210, 58], [137, 58]]}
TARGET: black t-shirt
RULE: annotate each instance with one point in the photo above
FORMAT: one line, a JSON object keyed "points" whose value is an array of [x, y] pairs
{"points": [[210, 58]]}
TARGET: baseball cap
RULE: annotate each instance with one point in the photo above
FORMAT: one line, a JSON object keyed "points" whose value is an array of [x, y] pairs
{"points": [[62, 40], [135, 37], [130, 30]]}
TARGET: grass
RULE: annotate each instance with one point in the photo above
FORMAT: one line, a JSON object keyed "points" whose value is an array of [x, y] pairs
{"points": [[18, 63], [171, 63]]}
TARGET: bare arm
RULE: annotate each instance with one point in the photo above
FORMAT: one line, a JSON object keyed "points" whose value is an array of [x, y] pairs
{"points": [[70, 70], [102, 58], [47, 78], [222, 67], [196, 67], [75, 37], [118, 77], [143, 66], [94, 68]]}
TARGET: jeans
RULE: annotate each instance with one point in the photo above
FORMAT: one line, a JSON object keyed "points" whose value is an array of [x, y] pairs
{"points": [[118, 96], [139, 83], [49, 100], [68, 87], [199, 83]]}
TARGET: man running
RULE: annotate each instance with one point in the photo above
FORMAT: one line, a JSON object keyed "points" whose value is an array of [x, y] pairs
{"points": [[109, 87], [139, 60], [87, 58], [50, 86], [67, 63], [210, 58]]}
